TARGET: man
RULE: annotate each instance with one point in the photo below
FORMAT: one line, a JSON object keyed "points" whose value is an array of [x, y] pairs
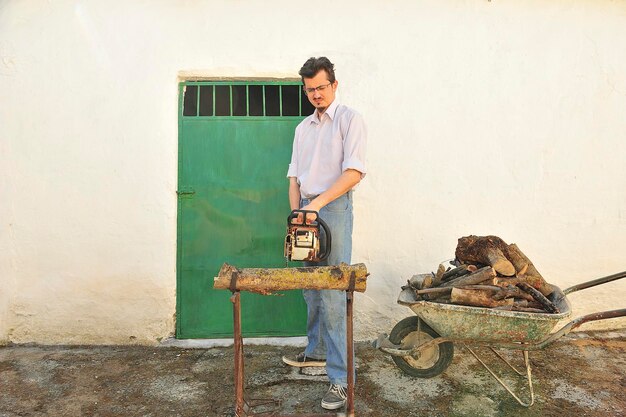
{"points": [[327, 162]]}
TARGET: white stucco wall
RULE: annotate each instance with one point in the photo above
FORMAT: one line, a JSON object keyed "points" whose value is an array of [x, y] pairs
{"points": [[500, 117]]}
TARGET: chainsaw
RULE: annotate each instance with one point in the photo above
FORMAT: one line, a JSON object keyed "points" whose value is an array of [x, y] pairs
{"points": [[302, 242]]}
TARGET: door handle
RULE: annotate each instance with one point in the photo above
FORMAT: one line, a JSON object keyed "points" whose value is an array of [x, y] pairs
{"points": [[182, 193]]}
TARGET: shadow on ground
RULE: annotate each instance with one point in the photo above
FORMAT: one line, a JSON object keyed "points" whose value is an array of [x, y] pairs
{"points": [[583, 374]]}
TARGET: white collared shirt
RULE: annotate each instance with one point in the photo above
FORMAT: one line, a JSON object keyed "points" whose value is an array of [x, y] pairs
{"points": [[324, 149]]}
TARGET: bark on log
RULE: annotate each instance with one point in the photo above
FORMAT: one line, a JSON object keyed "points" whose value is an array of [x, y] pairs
{"points": [[494, 289], [488, 250], [520, 261], [436, 290], [529, 304], [477, 277], [511, 291], [539, 297], [456, 272], [477, 298], [526, 270], [534, 281], [268, 280]]}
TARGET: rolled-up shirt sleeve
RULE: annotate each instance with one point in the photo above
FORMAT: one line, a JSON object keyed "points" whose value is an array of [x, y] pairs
{"points": [[354, 145]]}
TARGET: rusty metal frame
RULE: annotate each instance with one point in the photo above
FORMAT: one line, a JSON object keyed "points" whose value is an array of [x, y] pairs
{"points": [[243, 407], [501, 382]]}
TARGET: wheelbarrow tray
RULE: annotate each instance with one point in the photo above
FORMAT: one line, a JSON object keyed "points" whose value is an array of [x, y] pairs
{"points": [[479, 324]]}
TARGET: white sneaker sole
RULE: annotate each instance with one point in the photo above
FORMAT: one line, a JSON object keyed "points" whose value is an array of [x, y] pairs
{"points": [[306, 364], [332, 406]]}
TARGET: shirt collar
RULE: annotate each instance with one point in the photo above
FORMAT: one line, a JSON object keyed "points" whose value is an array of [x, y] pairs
{"points": [[330, 111]]}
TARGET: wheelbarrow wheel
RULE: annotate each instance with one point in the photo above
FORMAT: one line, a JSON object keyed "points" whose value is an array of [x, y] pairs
{"points": [[432, 361]]}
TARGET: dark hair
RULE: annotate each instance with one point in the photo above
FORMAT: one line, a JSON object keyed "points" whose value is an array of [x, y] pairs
{"points": [[314, 65]]}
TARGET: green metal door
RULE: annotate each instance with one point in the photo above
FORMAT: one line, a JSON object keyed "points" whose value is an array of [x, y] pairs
{"points": [[234, 148]]}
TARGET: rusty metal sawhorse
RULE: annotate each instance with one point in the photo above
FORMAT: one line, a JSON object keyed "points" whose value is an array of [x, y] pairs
{"points": [[243, 407]]}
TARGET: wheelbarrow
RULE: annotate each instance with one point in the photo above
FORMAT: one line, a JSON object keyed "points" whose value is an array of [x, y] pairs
{"points": [[423, 346]]}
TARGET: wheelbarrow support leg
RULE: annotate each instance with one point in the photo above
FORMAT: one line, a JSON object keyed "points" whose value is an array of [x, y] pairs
{"points": [[506, 387]]}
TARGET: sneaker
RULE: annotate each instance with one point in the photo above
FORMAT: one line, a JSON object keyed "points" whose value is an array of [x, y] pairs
{"points": [[302, 361], [335, 397]]}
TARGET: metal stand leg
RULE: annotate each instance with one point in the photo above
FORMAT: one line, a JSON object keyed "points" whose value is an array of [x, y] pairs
{"points": [[350, 345], [240, 401], [243, 408]]}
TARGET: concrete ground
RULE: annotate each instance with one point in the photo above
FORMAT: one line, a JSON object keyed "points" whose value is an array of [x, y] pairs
{"points": [[582, 374]]}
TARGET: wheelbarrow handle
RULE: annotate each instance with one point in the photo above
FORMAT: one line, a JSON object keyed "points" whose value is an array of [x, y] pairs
{"points": [[595, 282]]}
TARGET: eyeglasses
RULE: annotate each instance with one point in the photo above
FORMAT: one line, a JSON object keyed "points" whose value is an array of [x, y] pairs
{"points": [[314, 89]]}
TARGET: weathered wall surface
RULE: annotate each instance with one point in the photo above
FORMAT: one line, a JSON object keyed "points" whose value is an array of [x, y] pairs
{"points": [[498, 117]]}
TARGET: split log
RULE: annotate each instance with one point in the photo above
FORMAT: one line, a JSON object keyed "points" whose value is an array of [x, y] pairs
{"points": [[428, 281], [526, 270], [477, 298], [483, 274], [268, 280], [522, 264], [539, 297], [439, 275], [488, 250]]}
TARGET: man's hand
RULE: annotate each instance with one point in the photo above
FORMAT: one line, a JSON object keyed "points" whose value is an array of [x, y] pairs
{"points": [[310, 217]]}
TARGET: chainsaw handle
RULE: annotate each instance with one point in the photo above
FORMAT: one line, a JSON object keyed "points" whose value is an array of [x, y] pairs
{"points": [[328, 239], [294, 215]]}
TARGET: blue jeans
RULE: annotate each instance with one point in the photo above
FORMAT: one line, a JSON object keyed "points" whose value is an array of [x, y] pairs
{"points": [[326, 322]]}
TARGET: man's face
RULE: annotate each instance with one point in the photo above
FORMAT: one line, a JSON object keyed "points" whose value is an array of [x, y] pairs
{"points": [[322, 97]]}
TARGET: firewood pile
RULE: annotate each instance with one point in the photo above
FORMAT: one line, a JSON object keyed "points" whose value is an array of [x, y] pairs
{"points": [[488, 273]]}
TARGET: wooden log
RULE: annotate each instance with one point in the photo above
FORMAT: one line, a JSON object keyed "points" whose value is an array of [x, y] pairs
{"points": [[444, 299], [488, 250], [494, 289], [511, 291], [534, 281], [439, 275], [526, 270], [417, 281], [526, 303], [477, 298], [539, 297], [268, 280], [436, 291], [522, 264], [455, 272], [477, 277], [428, 281]]}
